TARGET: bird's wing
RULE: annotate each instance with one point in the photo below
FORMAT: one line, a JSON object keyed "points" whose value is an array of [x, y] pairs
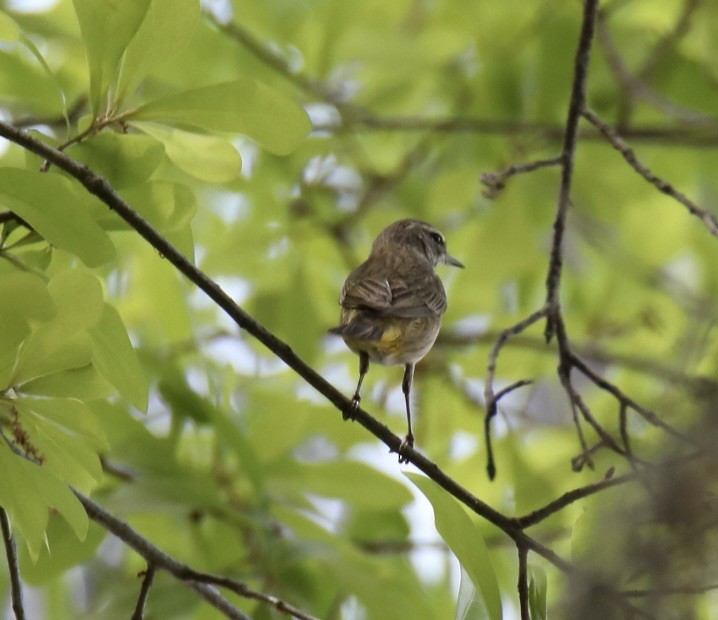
{"points": [[405, 297]]}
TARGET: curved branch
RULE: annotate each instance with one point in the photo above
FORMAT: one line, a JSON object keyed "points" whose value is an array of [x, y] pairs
{"points": [[710, 221]]}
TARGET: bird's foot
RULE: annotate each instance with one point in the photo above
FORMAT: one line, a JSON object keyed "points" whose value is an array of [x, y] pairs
{"points": [[408, 442], [355, 405]]}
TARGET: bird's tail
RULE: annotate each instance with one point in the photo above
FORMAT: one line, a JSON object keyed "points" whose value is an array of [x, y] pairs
{"points": [[358, 328]]}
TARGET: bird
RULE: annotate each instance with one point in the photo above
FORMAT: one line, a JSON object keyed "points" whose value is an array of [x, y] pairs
{"points": [[392, 304]]}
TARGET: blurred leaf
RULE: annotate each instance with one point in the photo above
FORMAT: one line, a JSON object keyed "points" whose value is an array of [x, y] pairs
{"points": [[165, 30], [9, 30], [77, 294], [537, 592], [107, 27], [332, 479], [116, 360], [62, 552], [25, 298], [124, 160], [469, 605], [205, 157], [241, 106], [49, 204], [464, 540]]}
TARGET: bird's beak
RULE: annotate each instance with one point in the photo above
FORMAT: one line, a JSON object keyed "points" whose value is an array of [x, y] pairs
{"points": [[450, 260]]}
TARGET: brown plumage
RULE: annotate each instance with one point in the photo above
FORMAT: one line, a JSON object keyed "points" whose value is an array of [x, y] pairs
{"points": [[392, 303]]}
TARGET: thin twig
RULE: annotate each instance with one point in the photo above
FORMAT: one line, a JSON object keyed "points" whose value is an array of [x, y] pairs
{"points": [[523, 583], [576, 105], [12, 566], [645, 413], [709, 220], [490, 398], [590, 351], [541, 514], [149, 575], [73, 114], [637, 88], [674, 591], [496, 181]]}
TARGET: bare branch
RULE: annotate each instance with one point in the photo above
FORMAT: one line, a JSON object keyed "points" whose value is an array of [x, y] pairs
{"points": [[12, 566], [490, 398], [576, 105], [149, 575], [523, 583], [541, 514], [709, 220], [496, 181]]}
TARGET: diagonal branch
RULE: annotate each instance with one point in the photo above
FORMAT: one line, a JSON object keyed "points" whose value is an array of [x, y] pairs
{"points": [[710, 221], [12, 566]]}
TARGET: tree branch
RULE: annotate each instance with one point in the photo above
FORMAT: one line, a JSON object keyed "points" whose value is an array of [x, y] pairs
{"points": [[523, 583], [710, 221], [12, 566], [149, 575], [496, 181], [198, 581], [490, 398], [576, 105]]}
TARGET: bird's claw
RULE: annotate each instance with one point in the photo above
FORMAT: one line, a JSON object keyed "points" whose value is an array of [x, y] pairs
{"points": [[408, 442], [355, 405]]}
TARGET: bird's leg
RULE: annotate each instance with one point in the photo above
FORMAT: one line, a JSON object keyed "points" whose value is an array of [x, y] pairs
{"points": [[406, 388], [363, 368]]}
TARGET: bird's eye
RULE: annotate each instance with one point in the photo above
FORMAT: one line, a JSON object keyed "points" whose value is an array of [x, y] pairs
{"points": [[437, 238]]}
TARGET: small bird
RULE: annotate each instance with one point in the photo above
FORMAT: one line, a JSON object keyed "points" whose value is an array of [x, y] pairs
{"points": [[392, 303]]}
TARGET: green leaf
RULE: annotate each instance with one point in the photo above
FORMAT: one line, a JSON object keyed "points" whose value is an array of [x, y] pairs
{"points": [[24, 298], [241, 106], [9, 30], [107, 27], [469, 605], [116, 359], [82, 382], [65, 435], [49, 204], [77, 294], [164, 32], [124, 160], [205, 157], [464, 540], [27, 491], [62, 552], [333, 479], [537, 592]]}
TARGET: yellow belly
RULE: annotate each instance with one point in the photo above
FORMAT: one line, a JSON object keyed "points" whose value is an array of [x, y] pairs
{"points": [[403, 341]]}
